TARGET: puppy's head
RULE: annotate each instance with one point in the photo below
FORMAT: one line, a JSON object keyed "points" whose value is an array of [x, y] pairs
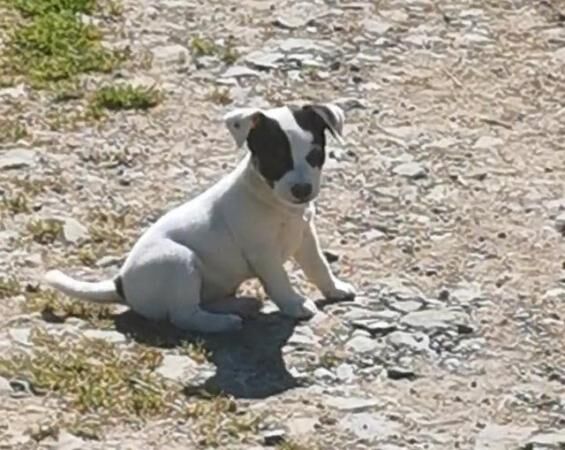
{"points": [[287, 145]]}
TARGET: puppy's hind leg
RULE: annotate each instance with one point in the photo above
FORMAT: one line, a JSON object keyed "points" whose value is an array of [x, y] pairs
{"points": [[184, 303], [203, 321], [244, 307]]}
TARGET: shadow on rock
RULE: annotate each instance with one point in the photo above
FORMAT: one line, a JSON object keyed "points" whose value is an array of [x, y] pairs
{"points": [[249, 363]]}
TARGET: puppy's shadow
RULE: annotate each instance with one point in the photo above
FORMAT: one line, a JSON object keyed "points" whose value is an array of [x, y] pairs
{"points": [[249, 363]]}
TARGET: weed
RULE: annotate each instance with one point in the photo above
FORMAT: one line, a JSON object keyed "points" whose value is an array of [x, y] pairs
{"points": [[229, 53], [35, 186], [195, 350], [107, 228], [125, 97], [67, 121], [66, 91], [12, 131], [330, 359], [220, 96], [53, 304], [217, 421], [15, 203], [202, 47], [9, 287], [87, 256], [205, 47], [45, 231], [86, 427], [114, 7]]}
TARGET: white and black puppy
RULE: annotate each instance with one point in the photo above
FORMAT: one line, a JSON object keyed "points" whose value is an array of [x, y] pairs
{"points": [[188, 266]]}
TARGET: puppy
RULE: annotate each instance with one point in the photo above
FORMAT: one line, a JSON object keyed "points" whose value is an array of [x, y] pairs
{"points": [[188, 266]]}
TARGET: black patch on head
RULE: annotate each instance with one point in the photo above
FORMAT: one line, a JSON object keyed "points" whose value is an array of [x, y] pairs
{"points": [[270, 148], [309, 120]]}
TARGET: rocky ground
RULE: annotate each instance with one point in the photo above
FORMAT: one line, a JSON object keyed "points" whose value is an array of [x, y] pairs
{"points": [[446, 208]]}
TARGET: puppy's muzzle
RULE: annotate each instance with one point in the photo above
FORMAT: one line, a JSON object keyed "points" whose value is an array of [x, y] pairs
{"points": [[301, 191]]}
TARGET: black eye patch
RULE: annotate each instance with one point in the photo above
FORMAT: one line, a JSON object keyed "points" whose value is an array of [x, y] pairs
{"points": [[316, 157], [271, 149], [310, 121]]}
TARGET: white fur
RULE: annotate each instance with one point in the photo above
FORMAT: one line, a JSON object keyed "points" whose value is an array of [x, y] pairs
{"points": [[99, 292], [187, 266]]}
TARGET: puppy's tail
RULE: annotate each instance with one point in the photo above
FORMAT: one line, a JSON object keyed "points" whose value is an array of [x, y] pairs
{"points": [[98, 292]]}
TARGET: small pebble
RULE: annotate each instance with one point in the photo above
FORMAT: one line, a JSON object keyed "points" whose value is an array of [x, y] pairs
{"points": [[274, 437], [399, 373]]}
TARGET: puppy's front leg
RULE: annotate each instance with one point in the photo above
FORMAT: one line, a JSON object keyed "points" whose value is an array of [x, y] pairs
{"points": [[277, 285], [310, 257]]}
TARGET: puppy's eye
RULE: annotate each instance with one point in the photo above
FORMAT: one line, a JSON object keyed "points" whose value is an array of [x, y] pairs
{"points": [[316, 156]]}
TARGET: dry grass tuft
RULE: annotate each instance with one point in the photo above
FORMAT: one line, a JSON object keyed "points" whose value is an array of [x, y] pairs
{"points": [[9, 287], [58, 308]]}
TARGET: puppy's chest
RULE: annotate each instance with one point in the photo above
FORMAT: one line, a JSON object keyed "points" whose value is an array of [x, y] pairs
{"points": [[289, 234]]}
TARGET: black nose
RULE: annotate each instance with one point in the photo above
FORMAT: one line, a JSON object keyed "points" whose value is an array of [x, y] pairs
{"points": [[301, 191]]}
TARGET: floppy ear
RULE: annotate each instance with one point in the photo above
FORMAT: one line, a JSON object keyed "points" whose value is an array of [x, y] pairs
{"points": [[333, 116], [240, 122]]}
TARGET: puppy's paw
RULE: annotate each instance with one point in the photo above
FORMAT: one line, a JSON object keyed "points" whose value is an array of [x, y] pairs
{"points": [[341, 290], [299, 308]]}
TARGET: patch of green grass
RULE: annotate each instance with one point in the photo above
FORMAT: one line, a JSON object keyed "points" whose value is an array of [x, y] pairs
{"points": [[125, 97], [45, 231], [205, 47], [60, 308], [58, 46], [52, 43], [108, 381], [42, 7], [9, 287], [93, 375]]}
